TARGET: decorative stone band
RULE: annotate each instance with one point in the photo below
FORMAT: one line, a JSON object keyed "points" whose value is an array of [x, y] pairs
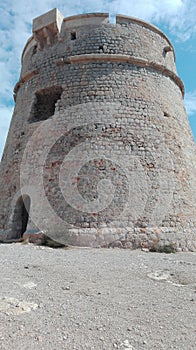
{"points": [[23, 80], [106, 58], [123, 59]]}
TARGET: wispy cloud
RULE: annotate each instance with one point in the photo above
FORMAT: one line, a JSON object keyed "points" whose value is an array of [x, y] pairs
{"points": [[16, 20], [190, 102], [5, 116]]}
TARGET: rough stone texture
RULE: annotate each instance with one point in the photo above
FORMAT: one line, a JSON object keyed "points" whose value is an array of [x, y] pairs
{"points": [[99, 144]]}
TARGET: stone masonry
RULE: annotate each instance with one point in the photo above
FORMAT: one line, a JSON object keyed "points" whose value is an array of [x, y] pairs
{"points": [[99, 151]]}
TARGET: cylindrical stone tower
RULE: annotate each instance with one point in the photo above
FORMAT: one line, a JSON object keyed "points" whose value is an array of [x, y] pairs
{"points": [[99, 151]]}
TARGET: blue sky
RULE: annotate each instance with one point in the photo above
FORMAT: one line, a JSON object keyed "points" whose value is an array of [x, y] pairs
{"points": [[177, 18]]}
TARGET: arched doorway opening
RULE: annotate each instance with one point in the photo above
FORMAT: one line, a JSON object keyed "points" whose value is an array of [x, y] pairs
{"points": [[21, 216]]}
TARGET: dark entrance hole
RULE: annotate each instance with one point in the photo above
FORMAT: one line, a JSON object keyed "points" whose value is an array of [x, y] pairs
{"points": [[44, 104], [21, 216]]}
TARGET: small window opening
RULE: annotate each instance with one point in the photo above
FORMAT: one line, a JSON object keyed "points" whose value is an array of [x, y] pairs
{"points": [[34, 50], [44, 104], [73, 35], [166, 50]]}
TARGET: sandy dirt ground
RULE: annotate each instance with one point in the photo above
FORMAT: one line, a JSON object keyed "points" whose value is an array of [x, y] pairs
{"points": [[96, 299]]}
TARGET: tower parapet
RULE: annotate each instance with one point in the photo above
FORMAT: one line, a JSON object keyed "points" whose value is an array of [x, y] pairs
{"points": [[128, 39]]}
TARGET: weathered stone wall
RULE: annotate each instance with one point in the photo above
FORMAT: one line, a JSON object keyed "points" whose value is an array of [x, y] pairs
{"points": [[126, 39], [101, 102]]}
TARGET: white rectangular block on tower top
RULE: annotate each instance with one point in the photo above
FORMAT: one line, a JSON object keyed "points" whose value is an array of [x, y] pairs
{"points": [[53, 17]]}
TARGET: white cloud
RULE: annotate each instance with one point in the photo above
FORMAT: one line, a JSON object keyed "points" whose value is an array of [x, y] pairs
{"points": [[190, 102], [5, 116], [15, 26]]}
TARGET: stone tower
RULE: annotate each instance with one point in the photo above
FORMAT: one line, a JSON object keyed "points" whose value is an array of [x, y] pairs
{"points": [[99, 150]]}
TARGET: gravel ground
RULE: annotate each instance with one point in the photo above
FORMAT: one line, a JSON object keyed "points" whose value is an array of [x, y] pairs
{"points": [[96, 299]]}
